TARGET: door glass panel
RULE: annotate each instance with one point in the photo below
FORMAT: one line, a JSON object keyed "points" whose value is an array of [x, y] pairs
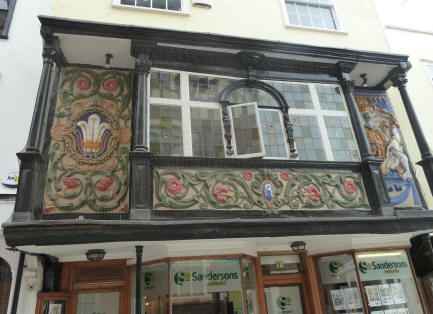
{"points": [[250, 286], [280, 264], [282, 300], [206, 286], [106, 302]]}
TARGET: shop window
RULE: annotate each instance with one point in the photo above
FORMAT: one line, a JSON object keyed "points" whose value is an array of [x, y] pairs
{"points": [[249, 276], [6, 11], [186, 119], [340, 284], [5, 285], [98, 302], [160, 5], [320, 14], [388, 282]]}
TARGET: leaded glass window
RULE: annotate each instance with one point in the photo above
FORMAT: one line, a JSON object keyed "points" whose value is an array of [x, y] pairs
{"points": [[247, 94], [273, 136], [207, 133], [165, 85], [296, 95], [206, 88], [166, 130], [330, 97], [344, 147], [308, 138]]}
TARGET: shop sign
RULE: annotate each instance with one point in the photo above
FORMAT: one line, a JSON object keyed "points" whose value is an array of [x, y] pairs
{"points": [[337, 269], [11, 179], [383, 266], [205, 276], [155, 279]]}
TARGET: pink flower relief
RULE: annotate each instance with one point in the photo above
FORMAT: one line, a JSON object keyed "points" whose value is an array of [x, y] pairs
{"points": [[222, 193], [285, 176], [83, 83], [248, 175], [174, 186], [124, 209], [313, 193], [111, 85], [104, 184], [70, 182], [349, 186]]}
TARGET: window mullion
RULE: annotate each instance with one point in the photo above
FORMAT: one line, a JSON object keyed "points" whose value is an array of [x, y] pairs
{"points": [[186, 114]]}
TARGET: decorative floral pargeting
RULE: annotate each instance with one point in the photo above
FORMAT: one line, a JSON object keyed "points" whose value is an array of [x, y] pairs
{"points": [[88, 168], [254, 190]]}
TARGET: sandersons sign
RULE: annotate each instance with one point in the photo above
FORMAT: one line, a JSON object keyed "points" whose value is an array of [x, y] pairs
{"points": [[205, 276], [337, 269], [383, 267]]}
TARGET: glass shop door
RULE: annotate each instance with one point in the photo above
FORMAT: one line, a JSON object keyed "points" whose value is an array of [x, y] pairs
{"points": [[284, 299]]}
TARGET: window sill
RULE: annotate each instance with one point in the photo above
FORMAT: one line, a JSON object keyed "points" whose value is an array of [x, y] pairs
{"points": [[130, 7], [324, 30]]}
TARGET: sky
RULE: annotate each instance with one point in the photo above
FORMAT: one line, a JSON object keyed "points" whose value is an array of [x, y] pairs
{"points": [[415, 14]]}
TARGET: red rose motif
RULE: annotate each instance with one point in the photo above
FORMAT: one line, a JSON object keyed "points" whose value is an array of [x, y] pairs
{"points": [[285, 176], [313, 193], [83, 83], [104, 184], [124, 209], [111, 85], [70, 182], [222, 193], [174, 186], [248, 175], [349, 186]]}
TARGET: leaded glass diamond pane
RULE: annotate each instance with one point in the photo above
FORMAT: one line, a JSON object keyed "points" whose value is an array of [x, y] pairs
{"points": [[246, 129], [343, 144], [206, 88], [307, 138], [330, 98], [207, 134], [166, 130], [165, 85], [272, 131], [246, 94]]}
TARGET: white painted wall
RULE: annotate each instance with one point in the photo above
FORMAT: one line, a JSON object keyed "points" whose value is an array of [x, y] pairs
{"points": [[20, 69]]}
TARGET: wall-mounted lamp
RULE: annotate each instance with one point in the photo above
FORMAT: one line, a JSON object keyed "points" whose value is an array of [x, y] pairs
{"points": [[364, 79], [108, 57], [207, 4], [298, 246], [95, 255]]}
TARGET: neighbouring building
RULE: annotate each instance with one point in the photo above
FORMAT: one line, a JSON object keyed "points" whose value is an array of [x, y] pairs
{"points": [[244, 156], [20, 67]]}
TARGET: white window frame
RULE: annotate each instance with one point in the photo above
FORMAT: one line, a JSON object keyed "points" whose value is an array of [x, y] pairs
{"points": [[184, 8], [185, 103], [334, 10], [426, 64]]}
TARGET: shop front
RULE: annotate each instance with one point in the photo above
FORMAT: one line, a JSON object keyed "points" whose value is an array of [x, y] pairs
{"points": [[378, 281]]}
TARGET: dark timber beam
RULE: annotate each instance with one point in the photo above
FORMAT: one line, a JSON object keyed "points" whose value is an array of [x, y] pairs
{"points": [[140, 157], [138, 276], [398, 78], [373, 180]]}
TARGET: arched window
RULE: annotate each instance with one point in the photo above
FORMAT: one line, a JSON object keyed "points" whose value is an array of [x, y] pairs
{"points": [[258, 115], [5, 285]]}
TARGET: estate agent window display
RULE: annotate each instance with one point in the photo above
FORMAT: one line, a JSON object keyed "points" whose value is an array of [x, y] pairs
{"points": [[384, 279]]}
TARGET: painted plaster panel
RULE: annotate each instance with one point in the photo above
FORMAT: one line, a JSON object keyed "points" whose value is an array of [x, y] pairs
{"points": [[88, 168], [386, 143], [265, 189]]}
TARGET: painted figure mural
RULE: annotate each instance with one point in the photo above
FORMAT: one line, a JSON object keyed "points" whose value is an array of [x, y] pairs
{"points": [[88, 167], [386, 143]]}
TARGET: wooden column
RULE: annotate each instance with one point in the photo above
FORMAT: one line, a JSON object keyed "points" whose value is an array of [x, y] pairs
{"points": [[138, 276]]}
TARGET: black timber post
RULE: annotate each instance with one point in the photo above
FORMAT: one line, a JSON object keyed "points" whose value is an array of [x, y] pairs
{"points": [[140, 157], [138, 276], [29, 200], [399, 79], [370, 165], [18, 280]]}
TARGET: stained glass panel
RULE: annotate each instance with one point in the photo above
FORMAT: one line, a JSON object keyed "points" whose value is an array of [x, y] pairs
{"points": [[308, 138], [272, 131], [165, 84], [296, 95], [166, 130], [206, 130], [330, 98], [206, 88], [247, 94], [343, 144]]}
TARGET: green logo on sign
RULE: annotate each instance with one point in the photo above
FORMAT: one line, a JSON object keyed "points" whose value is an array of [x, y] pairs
{"points": [[148, 278], [364, 267], [180, 277], [283, 303], [335, 267]]}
